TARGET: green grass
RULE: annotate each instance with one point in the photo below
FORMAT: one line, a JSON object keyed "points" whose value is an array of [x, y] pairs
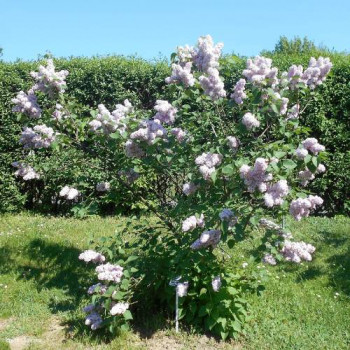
{"points": [[42, 290]]}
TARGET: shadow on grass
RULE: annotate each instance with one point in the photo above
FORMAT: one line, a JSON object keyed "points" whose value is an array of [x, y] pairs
{"points": [[55, 266], [339, 278], [334, 265], [50, 266]]}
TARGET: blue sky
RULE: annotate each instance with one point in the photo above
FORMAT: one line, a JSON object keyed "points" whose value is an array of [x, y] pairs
{"points": [[154, 28]]}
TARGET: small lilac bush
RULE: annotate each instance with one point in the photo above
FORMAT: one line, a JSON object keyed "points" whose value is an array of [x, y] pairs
{"points": [[233, 160]]}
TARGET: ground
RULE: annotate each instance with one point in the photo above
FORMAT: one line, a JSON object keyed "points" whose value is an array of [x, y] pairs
{"points": [[42, 290]]}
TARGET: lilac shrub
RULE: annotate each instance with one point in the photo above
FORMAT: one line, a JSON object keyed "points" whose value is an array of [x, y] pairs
{"points": [[228, 171]]}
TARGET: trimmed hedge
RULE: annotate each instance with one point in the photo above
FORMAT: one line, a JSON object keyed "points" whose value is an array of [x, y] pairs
{"points": [[110, 80]]}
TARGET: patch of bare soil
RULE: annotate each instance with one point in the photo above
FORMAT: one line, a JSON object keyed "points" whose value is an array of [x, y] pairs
{"points": [[21, 342], [53, 335], [163, 341], [4, 323]]}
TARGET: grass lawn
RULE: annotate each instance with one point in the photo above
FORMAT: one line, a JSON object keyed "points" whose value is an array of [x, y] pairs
{"points": [[43, 287]]}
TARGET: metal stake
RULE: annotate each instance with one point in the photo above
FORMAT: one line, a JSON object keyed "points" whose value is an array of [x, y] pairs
{"points": [[177, 312]]}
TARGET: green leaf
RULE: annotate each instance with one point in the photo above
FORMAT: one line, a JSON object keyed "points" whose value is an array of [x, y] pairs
{"points": [[232, 291], [231, 243], [275, 109], [223, 321], [202, 311], [315, 161], [279, 154], [124, 327], [131, 258], [236, 325], [228, 169], [118, 295], [210, 323], [289, 164], [127, 315], [224, 335], [213, 176], [203, 291], [115, 135]]}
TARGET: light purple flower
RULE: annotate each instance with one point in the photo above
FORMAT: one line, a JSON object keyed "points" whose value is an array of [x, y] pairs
{"points": [[119, 308], [249, 121], [109, 272], [91, 255], [27, 104]]}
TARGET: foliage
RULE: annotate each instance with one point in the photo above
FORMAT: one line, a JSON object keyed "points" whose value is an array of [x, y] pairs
{"points": [[91, 81], [294, 46], [109, 79], [229, 160]]}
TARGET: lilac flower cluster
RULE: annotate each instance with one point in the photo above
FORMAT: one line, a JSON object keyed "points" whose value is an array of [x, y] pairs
{"points": [[283, 101], [206, 58], [91, 255], [228, 216], [216, 283], [24, 171], [166, 113], [189, 188], [273, 226], [48, 80], [89, 308], [212, 84], [102, 288], [206, 55], [111, 122], [41, 136], [293, 112], [149, 131], [256, 177], [260, 72], [133, 150], [192, 222], [269, 259], [103, 187], [207, 163], [311, 144], [302, 207], [27, 104], [180, 135], [238, 92], [94, 320], [313, 76], [301, 153], [233, 142], [317, 71], [109, 272], [130, 175], [59, 113], [119, 308], [185, 54], [297, 251], [295, 75], [275, 193], [69, 193], [181, 74], [306, 175], [249, 121], [206, 239]]}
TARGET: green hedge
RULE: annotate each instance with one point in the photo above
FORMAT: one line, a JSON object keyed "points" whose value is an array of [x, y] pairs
{"points": [[110, 80]]}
